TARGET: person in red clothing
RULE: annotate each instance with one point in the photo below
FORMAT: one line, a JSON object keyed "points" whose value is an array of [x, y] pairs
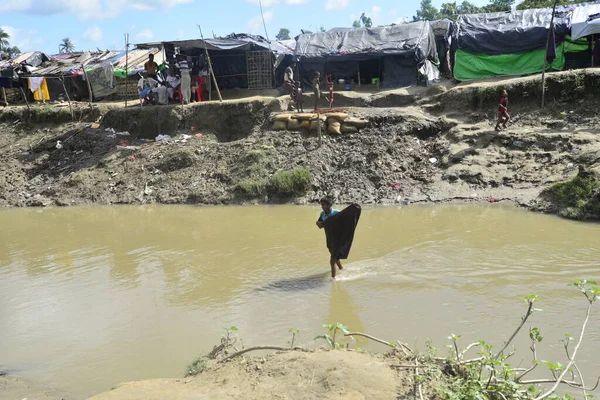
{"points": [[503, 116]]}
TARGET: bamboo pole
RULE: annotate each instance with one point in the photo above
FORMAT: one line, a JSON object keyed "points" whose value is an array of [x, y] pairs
{"points": [[25, 98], [126, 67], [62, 80], [210, 68], [4, 96], [89, 85], [546, 55]]}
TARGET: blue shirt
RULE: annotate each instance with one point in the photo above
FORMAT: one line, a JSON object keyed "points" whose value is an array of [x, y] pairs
{"points": [[324, 216]]}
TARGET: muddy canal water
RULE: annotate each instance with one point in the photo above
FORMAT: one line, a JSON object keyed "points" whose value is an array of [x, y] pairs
{"points": [[90, 297]]}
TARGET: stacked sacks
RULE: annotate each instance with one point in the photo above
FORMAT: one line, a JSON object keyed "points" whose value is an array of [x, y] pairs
{"points": [[333, 123]]}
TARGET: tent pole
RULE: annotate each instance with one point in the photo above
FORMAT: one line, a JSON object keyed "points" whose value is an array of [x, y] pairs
{"points": [[89, 85], [210, 68], [25, 98], [546, 55], [4, 96], [126, 67], [62, 80]]}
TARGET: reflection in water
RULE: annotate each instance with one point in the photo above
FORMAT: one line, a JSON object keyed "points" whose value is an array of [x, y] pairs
{"points": [[104, 295]]}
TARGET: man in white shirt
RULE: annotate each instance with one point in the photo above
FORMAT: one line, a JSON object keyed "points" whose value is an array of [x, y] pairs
{"points": [[172, 81], [162, 93], [185, 67]]}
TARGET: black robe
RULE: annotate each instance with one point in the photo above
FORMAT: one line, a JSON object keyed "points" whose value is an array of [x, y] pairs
{"points": [[339, 231]]}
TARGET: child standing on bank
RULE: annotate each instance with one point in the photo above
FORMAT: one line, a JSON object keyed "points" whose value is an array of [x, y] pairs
{"points": [[503, 116]]}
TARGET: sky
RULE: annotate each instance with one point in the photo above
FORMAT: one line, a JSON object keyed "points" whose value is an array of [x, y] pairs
{"points": [[101, 24]]}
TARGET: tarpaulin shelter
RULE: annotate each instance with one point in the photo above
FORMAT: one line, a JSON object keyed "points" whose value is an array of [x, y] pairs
{"points": [[585, 20], [238, 60], [443, 29], [508, 43], [79, 72], [394, 54]]}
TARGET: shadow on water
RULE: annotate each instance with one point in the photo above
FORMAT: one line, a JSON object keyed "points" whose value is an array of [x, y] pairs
{"points": [[297, 284]]}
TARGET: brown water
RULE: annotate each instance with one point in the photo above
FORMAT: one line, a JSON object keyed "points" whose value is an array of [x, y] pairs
{"points": [[90, 297]]}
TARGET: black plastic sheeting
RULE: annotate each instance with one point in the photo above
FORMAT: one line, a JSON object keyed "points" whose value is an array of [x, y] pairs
{"points": [[416, 39], [514, 32]]}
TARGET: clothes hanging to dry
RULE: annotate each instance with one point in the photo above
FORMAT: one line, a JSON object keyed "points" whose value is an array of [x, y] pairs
{"points": [[39, 87]]}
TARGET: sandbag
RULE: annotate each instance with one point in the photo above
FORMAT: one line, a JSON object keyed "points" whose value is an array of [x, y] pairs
{"points": [[334, 127], [357, 122], [280, 126], [293, 125], [339, 116], [346, 128], [304, 116], [282, 117], [305, 124], [315, 127]]}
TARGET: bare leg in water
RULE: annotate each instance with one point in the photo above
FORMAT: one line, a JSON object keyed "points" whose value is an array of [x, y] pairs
{"points": [[333, 262]]}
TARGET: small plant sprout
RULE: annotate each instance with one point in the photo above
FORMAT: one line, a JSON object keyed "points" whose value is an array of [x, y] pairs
{"points": [[333, 330], [294, 332]]}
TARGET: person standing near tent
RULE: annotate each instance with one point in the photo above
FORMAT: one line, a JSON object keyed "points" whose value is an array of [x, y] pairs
{"points": [[151, 67], [503, 115], [288, 78], [339, 231], [316, 83], [186, 80]]}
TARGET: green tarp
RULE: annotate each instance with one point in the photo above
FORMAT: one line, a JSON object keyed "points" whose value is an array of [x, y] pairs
{"points": [[469, 66]]}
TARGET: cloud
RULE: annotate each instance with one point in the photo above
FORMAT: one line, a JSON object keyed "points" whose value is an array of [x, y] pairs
{"points": [[375, 11], [24, 40], [145, 34], [255, 25], [295, 1], [93, 34], [336, 4], [85, 9]]}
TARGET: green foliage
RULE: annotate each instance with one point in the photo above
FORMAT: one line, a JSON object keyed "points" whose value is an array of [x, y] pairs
{"points": [[527, 4], [66, 46], [364, 21], [197, 366], [284, 34], [576, 199], [294, 332], [252, 187], [289, 183], [332, 331], [427, 12]]}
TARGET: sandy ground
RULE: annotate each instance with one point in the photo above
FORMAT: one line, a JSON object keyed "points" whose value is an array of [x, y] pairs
{"points": [[320, 375], [16, 388]]}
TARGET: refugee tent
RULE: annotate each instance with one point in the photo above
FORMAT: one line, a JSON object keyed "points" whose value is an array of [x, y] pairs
{"points": [[238, 60], [507, 43], [585, 20], [392, 54]]}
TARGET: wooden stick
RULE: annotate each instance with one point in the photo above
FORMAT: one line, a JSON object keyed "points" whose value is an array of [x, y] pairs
{"points": [[126, 67], [4, 96], [546, 55], [278, 348], [89, 85], [62, 80], [210, 68], [25, 98]]}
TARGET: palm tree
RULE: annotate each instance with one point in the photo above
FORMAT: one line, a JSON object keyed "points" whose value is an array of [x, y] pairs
{"points": [[4, 36], [66, 46]]}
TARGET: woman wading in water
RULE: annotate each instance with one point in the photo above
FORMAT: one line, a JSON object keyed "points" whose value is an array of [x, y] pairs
{"points": [[339, 231]]}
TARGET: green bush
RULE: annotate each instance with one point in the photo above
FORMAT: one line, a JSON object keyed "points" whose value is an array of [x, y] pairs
{"points": [[578, 198], [288, 183], [252, 187]]}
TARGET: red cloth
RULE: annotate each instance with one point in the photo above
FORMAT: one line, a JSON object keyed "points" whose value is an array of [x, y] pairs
{"points": [[503, 105]]}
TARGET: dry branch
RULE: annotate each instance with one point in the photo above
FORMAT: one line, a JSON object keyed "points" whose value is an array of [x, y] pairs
{"points": [[256, 348]]}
